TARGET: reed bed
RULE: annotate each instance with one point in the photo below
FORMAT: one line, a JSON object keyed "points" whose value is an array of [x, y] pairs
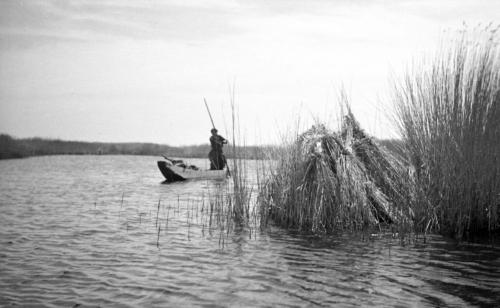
{"points": [[448, 113], [326, 181], [446, 177]]}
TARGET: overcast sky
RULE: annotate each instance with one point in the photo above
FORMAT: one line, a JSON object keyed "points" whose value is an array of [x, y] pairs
{"points": [[138, 70]]}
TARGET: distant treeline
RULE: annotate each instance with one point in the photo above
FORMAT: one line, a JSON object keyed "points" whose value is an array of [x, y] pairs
{"points": [[18, 148]]}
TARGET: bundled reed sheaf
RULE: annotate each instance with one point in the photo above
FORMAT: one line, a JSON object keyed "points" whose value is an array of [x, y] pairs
{"points": [[448, 111], [326, 181]]}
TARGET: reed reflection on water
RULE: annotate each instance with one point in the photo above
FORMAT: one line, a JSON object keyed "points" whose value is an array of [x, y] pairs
{"points": [[103, 230]]}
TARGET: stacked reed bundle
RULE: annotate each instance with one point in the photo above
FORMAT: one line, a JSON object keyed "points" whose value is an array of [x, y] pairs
{"points": [[326, 181], [448, 111]]}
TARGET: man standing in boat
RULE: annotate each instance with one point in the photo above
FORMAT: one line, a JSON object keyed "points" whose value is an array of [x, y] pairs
{"points": [[216, 156]]}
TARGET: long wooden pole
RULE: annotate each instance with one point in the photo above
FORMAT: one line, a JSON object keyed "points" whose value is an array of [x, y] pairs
{"points": [[206, 105]]}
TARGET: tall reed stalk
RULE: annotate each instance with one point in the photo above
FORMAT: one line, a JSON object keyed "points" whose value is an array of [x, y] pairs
{"points": [[448, 112], [241, 189]]}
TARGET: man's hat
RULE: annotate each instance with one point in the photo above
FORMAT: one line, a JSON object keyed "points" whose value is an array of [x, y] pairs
{"points": [[213, 130]]}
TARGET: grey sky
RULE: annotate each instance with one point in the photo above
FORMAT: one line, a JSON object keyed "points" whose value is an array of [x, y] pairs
{"points": [[138, 70]]}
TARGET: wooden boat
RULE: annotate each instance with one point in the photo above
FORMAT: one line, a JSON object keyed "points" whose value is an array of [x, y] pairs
{"points": [[175, 173]]}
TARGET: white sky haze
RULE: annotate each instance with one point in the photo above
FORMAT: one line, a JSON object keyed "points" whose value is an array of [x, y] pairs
{"points": [[119, 71]]}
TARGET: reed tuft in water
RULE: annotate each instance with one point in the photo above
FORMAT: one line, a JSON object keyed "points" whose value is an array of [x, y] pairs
{"points": [[241, 191], [448, 112]]}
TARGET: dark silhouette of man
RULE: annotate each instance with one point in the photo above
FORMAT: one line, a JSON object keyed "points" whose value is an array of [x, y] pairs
{"points": [[216, 156]]}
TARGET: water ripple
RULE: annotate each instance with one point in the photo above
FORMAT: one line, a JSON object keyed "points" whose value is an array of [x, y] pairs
{"points": [[87, 231]]}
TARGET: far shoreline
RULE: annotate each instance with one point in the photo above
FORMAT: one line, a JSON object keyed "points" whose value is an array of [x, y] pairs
{"points": [[15, 148]]}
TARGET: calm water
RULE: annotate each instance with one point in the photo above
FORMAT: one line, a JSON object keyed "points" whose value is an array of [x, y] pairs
{"points": [[83, 230]]}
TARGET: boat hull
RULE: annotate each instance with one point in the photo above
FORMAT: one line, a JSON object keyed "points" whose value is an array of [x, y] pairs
{"points": [[177, 174]]}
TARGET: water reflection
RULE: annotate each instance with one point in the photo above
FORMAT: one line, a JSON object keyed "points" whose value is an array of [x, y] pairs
{"points": [[104, 231]]}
